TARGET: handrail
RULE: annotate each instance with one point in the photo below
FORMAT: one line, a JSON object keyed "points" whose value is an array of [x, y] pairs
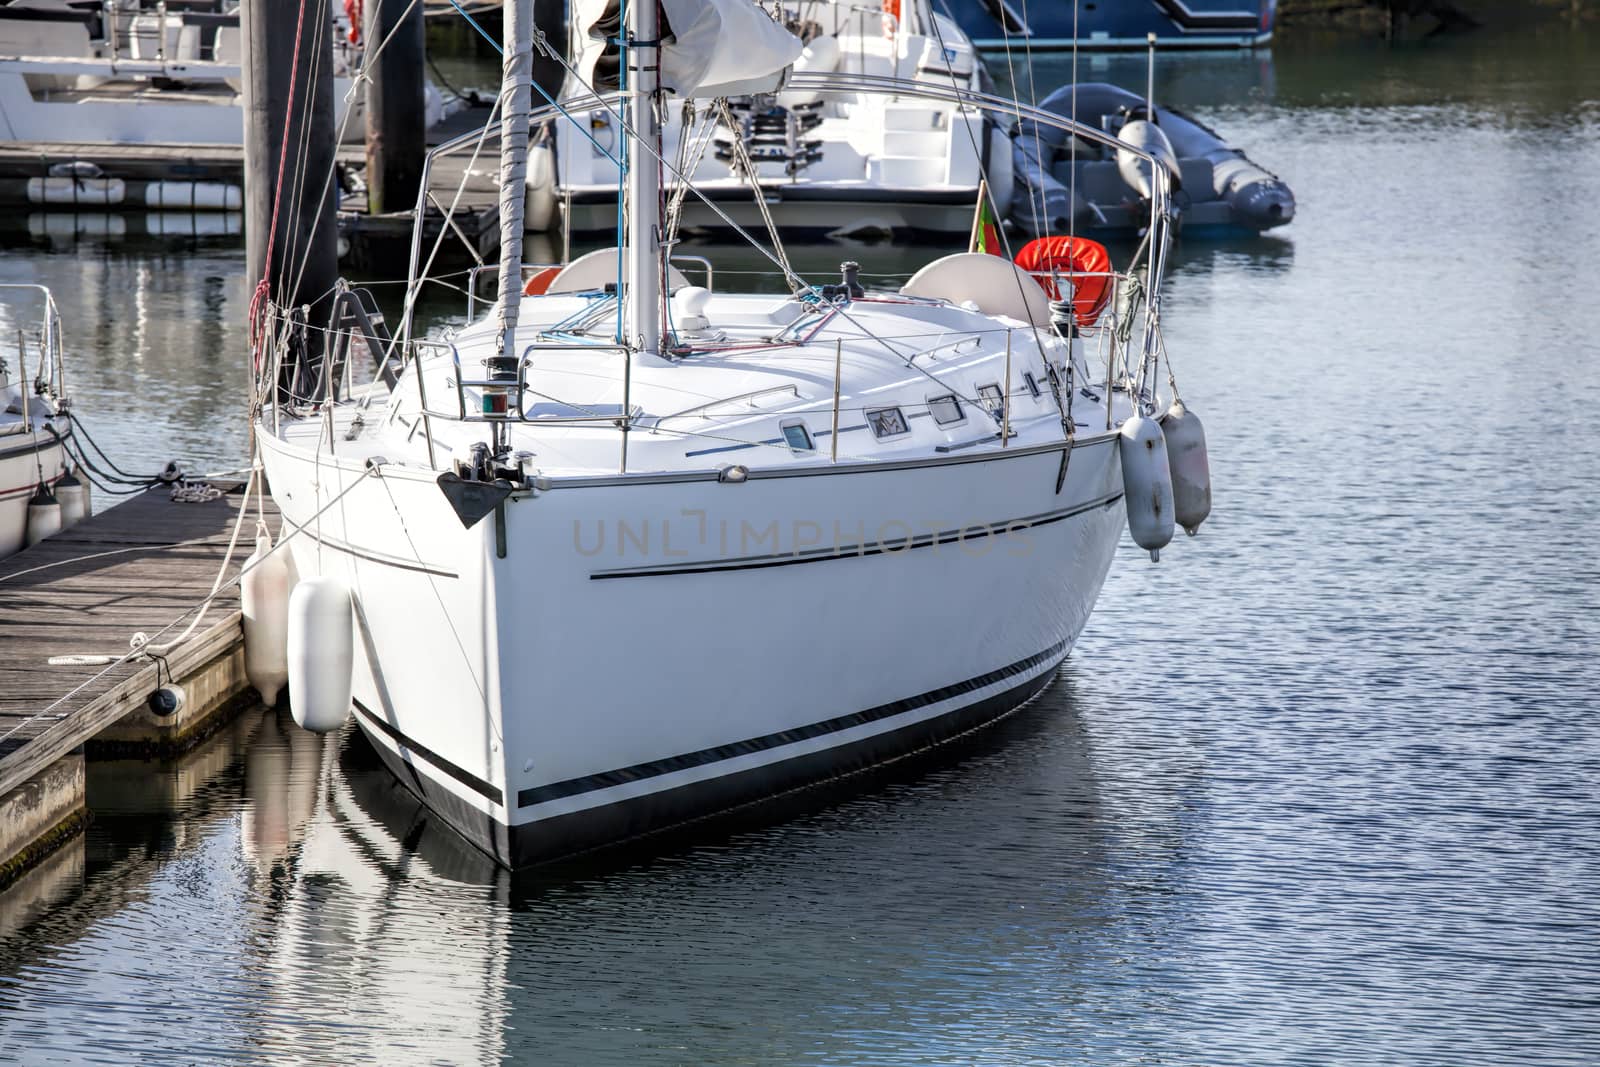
{"points": [[789, 387], [700, 261], [835, 82], [415, 255]]}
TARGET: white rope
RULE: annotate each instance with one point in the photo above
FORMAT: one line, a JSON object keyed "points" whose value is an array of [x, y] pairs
{"points": [[202, 605]]}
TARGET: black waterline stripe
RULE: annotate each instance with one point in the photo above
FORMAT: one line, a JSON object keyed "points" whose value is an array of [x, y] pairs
{"points": [[465, 777], [854, 551], [654, 768]]}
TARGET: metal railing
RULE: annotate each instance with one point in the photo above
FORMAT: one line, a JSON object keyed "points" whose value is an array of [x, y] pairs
{"points": [[1115, 322], [749, 399], [48, 377]]}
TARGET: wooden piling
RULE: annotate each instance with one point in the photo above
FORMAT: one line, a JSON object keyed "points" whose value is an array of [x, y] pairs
{"points": [[396, 126], [288, 88]]}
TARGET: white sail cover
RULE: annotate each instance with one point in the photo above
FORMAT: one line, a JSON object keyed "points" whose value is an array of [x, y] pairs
{"points": [[713, 48]]}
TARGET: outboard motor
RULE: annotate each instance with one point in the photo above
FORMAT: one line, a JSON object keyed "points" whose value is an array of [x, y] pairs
{"points": [[1146, 137]]}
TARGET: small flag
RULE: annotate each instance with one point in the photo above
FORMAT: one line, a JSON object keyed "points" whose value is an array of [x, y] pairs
{"points": [[985, 228]]}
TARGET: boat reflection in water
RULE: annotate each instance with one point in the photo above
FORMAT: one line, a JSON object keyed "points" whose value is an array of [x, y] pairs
{"points": [[385, 936], [381, 934], [281, 897]]}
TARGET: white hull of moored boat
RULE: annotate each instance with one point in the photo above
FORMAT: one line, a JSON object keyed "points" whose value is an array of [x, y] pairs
{"points": [[838, 211], [23, 456], [629, 552], [650, 650]]}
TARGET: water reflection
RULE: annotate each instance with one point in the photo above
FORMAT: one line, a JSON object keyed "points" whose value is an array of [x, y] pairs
{"points": [[377, 934], [154, 339], [357, 927], [1315, 789]]}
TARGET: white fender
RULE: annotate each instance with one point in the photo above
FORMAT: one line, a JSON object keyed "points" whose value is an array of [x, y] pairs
{"points": [[73, 496], [1191, 471], [1147, 484], [321, 653], [44, 515], [540, 202], [264, 593], [1147, 137]]}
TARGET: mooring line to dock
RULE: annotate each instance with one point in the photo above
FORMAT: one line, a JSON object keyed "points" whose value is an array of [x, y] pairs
{"points": [[143, 648]]}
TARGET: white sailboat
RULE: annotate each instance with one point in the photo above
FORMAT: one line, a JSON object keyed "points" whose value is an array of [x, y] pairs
{"points": [[34, 423], [840, 161], [632, 551]]}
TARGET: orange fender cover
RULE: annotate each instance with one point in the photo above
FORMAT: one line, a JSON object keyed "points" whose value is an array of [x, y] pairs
{"points": [[1084, 263]]}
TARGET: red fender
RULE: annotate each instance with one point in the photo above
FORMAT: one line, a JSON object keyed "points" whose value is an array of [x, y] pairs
{"points": [[1085, 264]]}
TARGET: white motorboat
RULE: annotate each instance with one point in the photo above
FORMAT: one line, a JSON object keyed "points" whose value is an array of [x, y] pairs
{"points": [[35, 427], [625, 551], [71, 74], [842, 162]]}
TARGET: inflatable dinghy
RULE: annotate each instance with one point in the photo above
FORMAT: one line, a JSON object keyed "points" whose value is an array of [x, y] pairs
{"points": [[1219, 192]]}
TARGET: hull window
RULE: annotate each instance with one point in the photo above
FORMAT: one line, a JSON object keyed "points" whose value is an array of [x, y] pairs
{"points": [[887, 422], [945, 409], [798, 436]]}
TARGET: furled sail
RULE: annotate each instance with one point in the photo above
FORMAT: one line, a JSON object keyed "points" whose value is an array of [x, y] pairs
{"points": [[709, 48]]}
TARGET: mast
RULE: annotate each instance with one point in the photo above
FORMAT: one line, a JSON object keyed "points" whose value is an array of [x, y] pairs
{"points": [[642, 280], [516, 78]]}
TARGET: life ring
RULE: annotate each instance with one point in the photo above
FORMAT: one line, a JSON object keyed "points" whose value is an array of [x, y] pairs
{"points": [[891, 17], [540, 281], [1084, 263]]}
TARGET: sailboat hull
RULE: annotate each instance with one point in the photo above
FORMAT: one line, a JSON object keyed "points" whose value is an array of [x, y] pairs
{"points": [[812, 210], [26, 459], [631, 654]]}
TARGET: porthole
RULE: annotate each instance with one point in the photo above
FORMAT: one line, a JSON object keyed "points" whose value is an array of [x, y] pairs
{"points": [[992, 399], [798, 437], [1032, 384], [887, 422], [945, 409]]}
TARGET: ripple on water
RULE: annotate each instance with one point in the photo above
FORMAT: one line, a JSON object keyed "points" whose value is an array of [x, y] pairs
{"points": [[1317, 789]]}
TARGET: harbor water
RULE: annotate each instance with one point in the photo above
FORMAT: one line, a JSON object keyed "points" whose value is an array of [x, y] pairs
{"points": [[1318, 788]]}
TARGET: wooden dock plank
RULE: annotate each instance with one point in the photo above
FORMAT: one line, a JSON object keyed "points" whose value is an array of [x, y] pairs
{"points": [[139, 566]]}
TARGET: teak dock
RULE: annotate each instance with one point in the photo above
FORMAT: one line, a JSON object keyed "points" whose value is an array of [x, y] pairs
{"points": [[141, 566]]}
